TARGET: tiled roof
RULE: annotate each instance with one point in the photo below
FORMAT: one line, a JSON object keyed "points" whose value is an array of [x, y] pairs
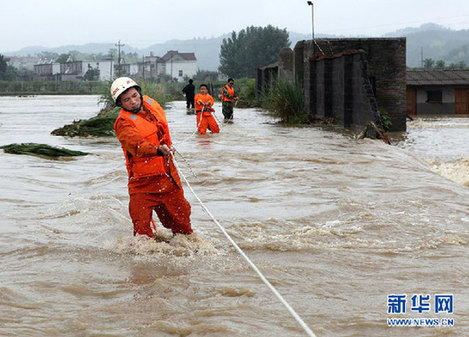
{"points": [[185, 56], [437, 77]]}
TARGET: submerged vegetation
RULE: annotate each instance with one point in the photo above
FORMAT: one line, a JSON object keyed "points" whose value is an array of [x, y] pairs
{"points": [[41, 150], [102, 125], [286, 101]]}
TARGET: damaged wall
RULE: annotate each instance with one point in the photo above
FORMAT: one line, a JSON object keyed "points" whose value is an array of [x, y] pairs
{"points": [[349, 79]]}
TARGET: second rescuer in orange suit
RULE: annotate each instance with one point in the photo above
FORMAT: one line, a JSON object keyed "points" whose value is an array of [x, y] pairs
{"points": [[203, 108], [154, 182]]}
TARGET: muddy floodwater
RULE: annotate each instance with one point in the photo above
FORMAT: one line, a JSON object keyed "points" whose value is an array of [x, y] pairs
{"points": [[338, 226]]}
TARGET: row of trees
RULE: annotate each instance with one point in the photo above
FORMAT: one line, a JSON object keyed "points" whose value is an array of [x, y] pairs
{"points": [[430, 64]]}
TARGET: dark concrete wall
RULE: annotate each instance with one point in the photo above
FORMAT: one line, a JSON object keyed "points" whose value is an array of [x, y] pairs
{"points": [[386, 63], [339, 87], [435, 109], [286, 64], [350, 86]]}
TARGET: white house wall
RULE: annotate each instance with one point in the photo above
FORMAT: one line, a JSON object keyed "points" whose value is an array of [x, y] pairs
{"points": [[105, 69], [55, 68], [133, 69], [189, 69]]}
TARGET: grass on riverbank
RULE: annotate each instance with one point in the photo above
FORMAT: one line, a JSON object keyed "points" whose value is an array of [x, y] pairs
{"points": [[286, 101]]}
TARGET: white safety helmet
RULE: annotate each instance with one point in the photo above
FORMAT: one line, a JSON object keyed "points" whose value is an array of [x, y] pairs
{"points": [[120, 85]]}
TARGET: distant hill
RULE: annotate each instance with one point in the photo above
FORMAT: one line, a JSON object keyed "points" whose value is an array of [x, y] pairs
{"points": [[207, 50], [436, 42]]}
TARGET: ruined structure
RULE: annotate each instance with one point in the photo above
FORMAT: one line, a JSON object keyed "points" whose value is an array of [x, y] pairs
{"points": [[351, 80]]}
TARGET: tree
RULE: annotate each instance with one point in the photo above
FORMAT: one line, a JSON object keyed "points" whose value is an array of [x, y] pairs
{"points": [[62, 58], [3, 66], [92, 74], [440, 64], [7, 72], [428, 64], [252, 47]]}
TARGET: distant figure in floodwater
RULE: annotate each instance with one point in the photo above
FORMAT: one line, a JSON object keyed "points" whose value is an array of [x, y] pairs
{"points": [[204, 110], [228, 97], [154, 183], [189, 91]]}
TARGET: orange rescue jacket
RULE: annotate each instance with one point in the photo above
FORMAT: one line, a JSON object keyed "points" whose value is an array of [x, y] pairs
{"points": [[231, 93], [155, 132], [199, 99]]}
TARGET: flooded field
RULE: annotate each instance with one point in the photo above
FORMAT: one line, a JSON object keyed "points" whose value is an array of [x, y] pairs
{"points": [[336, 224]]}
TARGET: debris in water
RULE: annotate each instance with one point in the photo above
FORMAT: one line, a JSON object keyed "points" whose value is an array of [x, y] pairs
{"points": [[42, 150]]}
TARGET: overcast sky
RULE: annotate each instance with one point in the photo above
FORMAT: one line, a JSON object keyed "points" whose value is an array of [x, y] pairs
{"points": [[141, 23]]}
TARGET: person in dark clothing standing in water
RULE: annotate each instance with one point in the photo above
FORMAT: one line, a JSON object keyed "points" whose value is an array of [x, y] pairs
{"points": [[189, 90]]}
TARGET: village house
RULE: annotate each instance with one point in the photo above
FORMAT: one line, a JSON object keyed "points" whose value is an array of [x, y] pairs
{"points": [[437, 92], [173, 64], [75, 70], [178, 66]]}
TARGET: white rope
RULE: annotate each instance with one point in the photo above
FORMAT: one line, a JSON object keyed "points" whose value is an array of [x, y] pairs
{"points": [[253, 266]]}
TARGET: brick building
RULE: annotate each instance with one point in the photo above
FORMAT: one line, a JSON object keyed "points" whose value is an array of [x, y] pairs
{"points": [[437, 92]]}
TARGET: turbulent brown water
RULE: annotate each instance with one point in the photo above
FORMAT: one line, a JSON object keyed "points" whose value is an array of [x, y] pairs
{"points": [[336, 224]]}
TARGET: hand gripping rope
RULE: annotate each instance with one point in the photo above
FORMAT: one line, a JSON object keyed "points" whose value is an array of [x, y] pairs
{"points": [[240, 251]]}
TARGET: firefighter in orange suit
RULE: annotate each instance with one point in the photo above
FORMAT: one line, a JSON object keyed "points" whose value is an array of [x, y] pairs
{"points": [[203, 108], [154, 183]]}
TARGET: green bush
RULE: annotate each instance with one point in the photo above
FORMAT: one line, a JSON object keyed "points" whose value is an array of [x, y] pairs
{"points": [[286, 101], [247, 93], [386, 122]]}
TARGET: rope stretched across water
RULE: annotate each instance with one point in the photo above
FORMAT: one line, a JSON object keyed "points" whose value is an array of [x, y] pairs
{"points": [[253, 266]]}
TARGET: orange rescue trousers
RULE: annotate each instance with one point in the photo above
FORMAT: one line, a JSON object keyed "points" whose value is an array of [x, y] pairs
{"points": [[208, 121], [172, 209]]}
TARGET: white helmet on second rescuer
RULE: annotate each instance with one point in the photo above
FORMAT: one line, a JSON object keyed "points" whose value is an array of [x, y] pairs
{"points": [[120, 85]]}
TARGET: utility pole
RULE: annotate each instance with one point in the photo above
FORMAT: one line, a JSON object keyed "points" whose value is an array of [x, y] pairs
{"points": [[421, 57], [119, 45], [310, 3]]}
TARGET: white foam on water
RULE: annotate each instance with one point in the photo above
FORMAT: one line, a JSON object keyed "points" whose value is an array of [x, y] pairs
{"points": [[193, 245], [457, 171]]}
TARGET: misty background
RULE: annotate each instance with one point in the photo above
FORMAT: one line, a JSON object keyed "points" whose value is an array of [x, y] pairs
{"points": [[426, 41], [434, 29]]}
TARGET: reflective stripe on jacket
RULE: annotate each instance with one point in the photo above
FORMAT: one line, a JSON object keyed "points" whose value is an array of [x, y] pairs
{"points": [[156, 132]]}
